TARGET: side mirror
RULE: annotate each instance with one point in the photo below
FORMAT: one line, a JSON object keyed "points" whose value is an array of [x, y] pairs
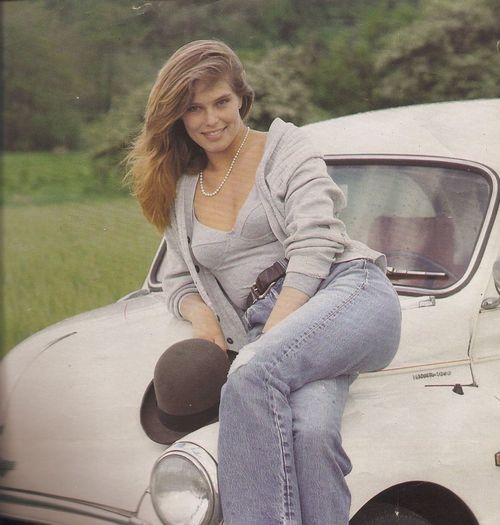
{"points": [[496, 275], [489, 303]]}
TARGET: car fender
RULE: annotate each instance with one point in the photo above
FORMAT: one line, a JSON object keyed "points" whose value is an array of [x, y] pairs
{"points": [[432, 434]]}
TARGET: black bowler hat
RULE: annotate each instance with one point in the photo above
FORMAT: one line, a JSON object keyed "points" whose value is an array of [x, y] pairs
{"points": [[185, 392]]}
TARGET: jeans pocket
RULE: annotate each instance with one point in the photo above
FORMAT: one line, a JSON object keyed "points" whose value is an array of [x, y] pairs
{"points": [[257, 314]]}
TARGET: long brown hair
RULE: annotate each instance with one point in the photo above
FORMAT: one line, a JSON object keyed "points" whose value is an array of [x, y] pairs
{"points": [[163, 151]]}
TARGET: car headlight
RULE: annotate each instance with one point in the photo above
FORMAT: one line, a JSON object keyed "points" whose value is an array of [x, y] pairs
{"points": [[184, 487]]}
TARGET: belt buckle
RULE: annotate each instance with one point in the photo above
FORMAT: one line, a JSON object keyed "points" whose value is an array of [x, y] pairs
{"points": [[256, 294]]}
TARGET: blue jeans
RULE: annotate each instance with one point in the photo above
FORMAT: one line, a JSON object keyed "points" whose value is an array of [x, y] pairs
{"points": [[281, 459]]}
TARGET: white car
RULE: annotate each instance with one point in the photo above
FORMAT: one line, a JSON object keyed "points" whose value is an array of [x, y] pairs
{"points": [[423, 435]]}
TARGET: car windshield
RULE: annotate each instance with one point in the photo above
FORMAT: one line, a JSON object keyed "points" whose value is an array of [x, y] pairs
{"points": [[426, 219]]}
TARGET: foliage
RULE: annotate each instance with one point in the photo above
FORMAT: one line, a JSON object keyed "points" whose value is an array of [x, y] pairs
{"points": [[90, 63], [449, 53], [278, 80], [41, 109], [344, 73], [106, 40], [110, 136]]}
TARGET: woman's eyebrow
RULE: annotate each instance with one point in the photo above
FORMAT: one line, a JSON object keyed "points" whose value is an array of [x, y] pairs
{"points": [[220, 97]]}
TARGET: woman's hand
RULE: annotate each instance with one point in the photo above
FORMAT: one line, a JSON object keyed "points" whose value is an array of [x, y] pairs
{"points": [[289, 300], [204, 321], [209, 328]]}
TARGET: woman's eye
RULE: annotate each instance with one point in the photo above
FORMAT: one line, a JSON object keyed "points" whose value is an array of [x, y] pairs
{"points": [[223, 102], [192, 109]]}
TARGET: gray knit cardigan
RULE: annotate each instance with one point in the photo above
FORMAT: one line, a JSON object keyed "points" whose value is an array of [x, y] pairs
{"points": [[302, 205]]}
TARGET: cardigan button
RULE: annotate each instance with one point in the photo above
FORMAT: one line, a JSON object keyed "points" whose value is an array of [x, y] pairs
{"points": [[197, 268], [218, 319], [229, 340], [189, 239]]}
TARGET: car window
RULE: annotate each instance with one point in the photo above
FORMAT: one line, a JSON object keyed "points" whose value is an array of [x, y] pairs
{"points": [[424, 218]]}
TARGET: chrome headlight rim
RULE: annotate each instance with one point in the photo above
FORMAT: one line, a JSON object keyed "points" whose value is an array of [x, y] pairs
{"points": [[205, 464]]}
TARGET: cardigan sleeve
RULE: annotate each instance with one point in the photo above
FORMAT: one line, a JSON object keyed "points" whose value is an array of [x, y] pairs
{"points": [[177, 281], [315, 235]]}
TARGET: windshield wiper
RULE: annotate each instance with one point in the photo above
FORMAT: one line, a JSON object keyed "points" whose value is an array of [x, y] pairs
{"points": [[402, 274]]}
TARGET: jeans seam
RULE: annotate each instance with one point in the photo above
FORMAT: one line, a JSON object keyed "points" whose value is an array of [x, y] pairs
{"points": [[270, 389], [287, 499]]}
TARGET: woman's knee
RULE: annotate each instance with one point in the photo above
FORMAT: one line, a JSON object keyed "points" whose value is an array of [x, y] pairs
{"points": [[243, 385], [315, 431]]}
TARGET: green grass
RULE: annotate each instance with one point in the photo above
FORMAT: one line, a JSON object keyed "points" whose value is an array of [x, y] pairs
{"points": [[65, 253], [41, 177]]}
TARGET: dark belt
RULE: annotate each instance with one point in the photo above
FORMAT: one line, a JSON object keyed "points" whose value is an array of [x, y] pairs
{"points": [[265, 280]]}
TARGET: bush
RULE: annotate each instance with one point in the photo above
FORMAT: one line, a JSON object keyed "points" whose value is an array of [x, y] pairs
{"points": [[109, 137], [449, 53], [279, 80]]}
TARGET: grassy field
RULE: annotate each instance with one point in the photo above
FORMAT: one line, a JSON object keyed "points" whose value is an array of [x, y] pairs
{"points": [[70, 243], [44, 177]]}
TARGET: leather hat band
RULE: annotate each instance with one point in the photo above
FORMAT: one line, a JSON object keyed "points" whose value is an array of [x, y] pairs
{"points": [[186, 423]]}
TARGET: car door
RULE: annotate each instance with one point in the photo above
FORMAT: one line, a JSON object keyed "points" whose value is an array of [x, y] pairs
{"points": [[431, 217]]}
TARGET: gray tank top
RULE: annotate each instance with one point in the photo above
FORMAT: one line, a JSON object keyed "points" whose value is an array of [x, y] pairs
{"points": [[236, 257]]}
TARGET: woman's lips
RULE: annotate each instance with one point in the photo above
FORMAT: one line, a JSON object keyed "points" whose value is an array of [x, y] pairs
{"points": [[213, 135]]}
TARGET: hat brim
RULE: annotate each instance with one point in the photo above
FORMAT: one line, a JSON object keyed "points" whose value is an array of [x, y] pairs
{"points": [[151, 423]]}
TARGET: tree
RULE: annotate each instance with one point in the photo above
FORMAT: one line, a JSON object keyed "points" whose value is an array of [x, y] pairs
{"points": [[109, 137], [449, 53], [106, 38], [41, 81], [344, 75]]}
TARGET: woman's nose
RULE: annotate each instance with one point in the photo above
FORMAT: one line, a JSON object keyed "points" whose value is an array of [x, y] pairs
{"points": [[211, 117]]}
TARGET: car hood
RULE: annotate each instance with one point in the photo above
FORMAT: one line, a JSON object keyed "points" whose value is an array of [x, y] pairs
{"points": [[70, 422], [70, 426]]}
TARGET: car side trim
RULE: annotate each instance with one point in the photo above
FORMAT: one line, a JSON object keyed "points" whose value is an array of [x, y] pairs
{"points": [[16, 499]]}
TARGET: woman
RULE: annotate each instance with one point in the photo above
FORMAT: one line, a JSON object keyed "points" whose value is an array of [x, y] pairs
{"points": [[238, 205]]}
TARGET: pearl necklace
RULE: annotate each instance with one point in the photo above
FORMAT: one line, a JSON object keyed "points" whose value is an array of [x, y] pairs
{"points": [[200, 175]]}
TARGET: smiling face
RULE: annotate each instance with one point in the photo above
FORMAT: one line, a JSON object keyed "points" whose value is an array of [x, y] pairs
{"points": [[212, 119]]}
